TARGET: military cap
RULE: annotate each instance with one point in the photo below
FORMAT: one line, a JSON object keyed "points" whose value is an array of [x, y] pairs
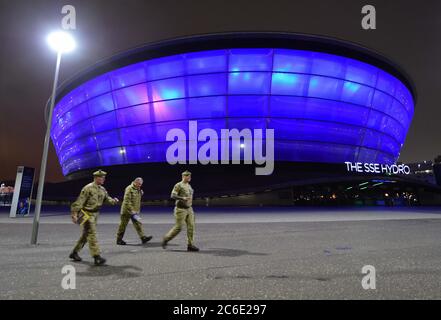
{"points": [[186, 173], [99, 173]]}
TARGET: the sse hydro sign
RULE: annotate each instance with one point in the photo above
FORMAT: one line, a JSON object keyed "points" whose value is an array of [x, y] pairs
{"points": [[322, 107], [377, 168]]}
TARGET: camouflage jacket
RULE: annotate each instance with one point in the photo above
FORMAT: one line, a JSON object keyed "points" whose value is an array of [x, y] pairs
{"points": [[181, 190], [132, 200], [91, 198]]}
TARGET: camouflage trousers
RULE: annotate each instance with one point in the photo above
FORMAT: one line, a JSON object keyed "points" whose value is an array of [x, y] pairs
{"points": [[125, 218], [182, 216], [89, 235]]}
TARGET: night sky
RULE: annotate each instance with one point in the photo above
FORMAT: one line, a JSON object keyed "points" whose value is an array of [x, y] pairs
{"points": [[408, 32]]}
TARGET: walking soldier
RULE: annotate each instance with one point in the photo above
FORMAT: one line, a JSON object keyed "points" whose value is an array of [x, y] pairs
{"points": [[85, 211]]}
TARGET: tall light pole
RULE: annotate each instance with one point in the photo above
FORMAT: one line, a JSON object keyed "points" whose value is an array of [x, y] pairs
{"points": [[61, 42]]}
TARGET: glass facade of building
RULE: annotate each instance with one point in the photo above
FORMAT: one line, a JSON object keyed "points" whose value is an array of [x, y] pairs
{"points": [[322, 107]]}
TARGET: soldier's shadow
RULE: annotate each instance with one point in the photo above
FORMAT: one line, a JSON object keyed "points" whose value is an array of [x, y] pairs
{"points": [[223, 252], [126, 271], [149, 245]]}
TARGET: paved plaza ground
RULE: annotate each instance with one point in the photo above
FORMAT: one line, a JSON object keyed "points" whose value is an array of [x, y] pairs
{"points": [[265, 253]]}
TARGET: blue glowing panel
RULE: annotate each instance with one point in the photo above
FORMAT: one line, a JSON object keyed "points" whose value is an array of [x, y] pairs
{"points": [[293, 61], [108, 139], [83, 129], [391, 106], [328, 65], [361, 72], [307, 130], [403, 97], [207, 107], [336, 112], [382, 102], [165, 67], [386, 83], [112, 156], [127, 76], [290, 84], [168, 89], [100, 104], [170, 110], [247, 106], [287, 107], [138, 153], [371, 139], [319, 109], [98, 86], [149, 133], [146, 153], [385, 158], [207, 85], [76, 114], [250, 60], [104, 122], [206, 62], [383, 123], [249, 83], [368, 155], [322, 107], [356, 93], [389, 145], [399, 113], [132, 116], [309, 151], [131, 96], [64, 141], [85, 145], [248, 123], [325, 87], [137, 135], [72, 99]]}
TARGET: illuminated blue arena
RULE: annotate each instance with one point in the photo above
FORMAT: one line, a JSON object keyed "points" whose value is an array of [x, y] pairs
{"points": [[327, 101]]}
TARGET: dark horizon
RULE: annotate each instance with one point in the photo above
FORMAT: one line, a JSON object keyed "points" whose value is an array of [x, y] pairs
{"points": [[406, 34]]}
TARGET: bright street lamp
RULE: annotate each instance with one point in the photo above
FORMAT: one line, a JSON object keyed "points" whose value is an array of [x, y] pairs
{"points": [[61, 42]]}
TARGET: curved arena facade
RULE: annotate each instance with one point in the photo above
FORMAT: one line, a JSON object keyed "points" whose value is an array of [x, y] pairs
{"points": [[328, 101]]}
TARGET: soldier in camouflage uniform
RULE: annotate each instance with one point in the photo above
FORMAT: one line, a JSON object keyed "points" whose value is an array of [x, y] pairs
{"points": [[183, 194], [130, 208], [89, 202]]}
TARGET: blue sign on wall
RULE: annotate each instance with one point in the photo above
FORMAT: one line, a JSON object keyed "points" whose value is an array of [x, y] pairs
{"points": [[21, 200]]}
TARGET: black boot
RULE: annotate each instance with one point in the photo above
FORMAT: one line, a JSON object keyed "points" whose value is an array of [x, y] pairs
{"points": [[164, 244], [120, 242], [146, 239], [193, 248], [75, 257], [99, 260]]}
